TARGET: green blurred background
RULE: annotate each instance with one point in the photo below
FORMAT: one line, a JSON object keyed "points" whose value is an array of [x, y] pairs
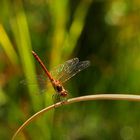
{"points": [[106, 32]]}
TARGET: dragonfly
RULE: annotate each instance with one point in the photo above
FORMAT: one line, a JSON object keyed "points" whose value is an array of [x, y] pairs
{"points": [[61, 74]]}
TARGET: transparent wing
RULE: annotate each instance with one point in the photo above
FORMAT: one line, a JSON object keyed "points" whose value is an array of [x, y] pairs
{"points": [[42, 81], [74, 70], [61, 69]]}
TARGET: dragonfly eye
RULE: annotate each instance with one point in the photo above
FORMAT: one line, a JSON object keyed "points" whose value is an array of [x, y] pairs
{"points": [[64, 93], [59, 88]]}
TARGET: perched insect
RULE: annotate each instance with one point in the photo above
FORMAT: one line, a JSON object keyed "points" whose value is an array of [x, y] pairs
{"points": [[62, 73]]}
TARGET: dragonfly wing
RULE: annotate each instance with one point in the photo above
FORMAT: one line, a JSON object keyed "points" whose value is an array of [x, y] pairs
{"points": [[61, 69], [41, 82], [40, 79], [78, 67]]}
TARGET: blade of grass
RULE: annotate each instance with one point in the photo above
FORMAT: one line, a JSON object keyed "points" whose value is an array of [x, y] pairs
{"points": [[7, 46], [59, 12], [20, 29], [76, 27]]}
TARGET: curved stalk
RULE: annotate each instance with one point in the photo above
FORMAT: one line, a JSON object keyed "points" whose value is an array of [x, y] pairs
{"points": [[126, 97]]}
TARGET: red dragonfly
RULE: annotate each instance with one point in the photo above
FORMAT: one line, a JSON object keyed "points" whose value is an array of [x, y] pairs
{"points": [[63, 73]]}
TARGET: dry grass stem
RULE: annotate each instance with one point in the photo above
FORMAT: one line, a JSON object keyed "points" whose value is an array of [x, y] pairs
{"points": [[126, 97]]}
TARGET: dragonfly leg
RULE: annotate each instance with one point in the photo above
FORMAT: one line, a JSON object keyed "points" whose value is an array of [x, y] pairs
{"points": [[63, 100], [56, 98]]}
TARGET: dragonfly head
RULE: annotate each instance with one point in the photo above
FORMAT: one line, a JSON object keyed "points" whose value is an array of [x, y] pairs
{"points": [[64, 93]]}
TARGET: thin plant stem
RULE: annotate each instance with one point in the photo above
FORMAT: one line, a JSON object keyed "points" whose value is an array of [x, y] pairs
{"points": [[127, 97]]}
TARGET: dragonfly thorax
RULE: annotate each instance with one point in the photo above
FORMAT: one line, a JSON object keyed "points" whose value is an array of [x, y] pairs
{"points": [[59, 88]]}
